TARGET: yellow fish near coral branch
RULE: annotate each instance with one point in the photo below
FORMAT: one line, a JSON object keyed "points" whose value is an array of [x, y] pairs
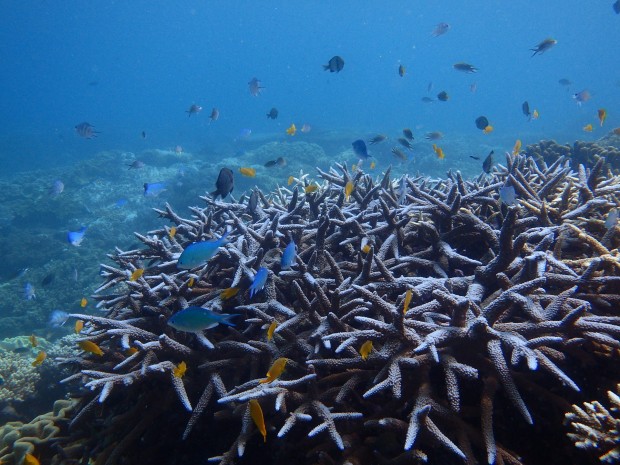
{"points": [[229, 292], [256, 412], [348, 189], [137, 274], [30, 459], [291, 130], [83, 302], [79, 325], [249, 172], [39, 360], [179, 370], [271, 330], [33, 340], [408, 295], [90, 346], [517, 148], [366, 349], [311, 188], [275, 371]]}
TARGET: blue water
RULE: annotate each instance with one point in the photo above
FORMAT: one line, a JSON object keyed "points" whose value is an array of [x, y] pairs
{"points": [[127, 67]]}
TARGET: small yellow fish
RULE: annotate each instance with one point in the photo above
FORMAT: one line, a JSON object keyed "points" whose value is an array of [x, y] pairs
{"points": [[311, 188], [90, 346], [228, 293], [33, 340], [30, 459], [291, 179], [256, 412], [136, 274], [39, 360], [354, 167], [365, 245], [517, 148], [488, 129], [249, 172], [588, 128], [83, 302], [275, 371], [366, 349], [179, 370], [535, 114], [439, 152], [172, 232], [191, 281], [372, 165], [130, 351], [407, 301], [366, 248], [291, 130], [79, 325], [602, 115], [271, 329], [348, 189]]}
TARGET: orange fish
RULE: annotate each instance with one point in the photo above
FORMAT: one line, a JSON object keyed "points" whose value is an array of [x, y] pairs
{"points": [[372, 165], [348, 189], [191, 281], [249, 172], [366, 349], [311, 188], [271, 330], [602, 115], [588, 127], [137, 274], [275, 371], [33, 340], [172, 232], [228, 293], [407, 301], [488, 129], [291, 179], [291, 130], [179, 370], [90, 346], [130, 351], [256, 412], [439, 152], [79, 324], [39, 360], [517, 148], [30, 459], [83, 302], [535, 114]]}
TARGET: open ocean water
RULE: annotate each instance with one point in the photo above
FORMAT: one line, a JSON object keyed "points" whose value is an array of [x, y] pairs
{"points": [[89, 88]]}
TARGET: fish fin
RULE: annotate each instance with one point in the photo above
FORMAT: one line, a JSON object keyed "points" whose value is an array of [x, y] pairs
{"points": [[226, 319]]}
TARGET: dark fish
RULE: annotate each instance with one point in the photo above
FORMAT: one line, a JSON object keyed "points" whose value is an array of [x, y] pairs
{"points": [[255, 87], [525, 107], [359, 148], [136, 165], [376, 139], [143, 134], [224, 184], [153, 189], [616, 7], [543, 46], [273, 113], [49, 278], [465, 67], [482, 122], [402, 70], [564, 81], [488, 162], [253, 202], [443, 96], [193, 110], [214, 116], [86, 130], [440, 29], [281, 161], [398, 153], [427, 100], [271, 163], [475, 158], [334, 65], [435, 135], [405, 143], [408, 134]]}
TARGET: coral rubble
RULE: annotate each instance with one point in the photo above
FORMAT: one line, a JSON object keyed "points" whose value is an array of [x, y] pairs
{"points": [[481, 318]]}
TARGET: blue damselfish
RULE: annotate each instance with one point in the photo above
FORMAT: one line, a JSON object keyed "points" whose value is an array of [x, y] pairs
{"points": [[288, 256], [196, 319], [199, 253], [260, 278]]}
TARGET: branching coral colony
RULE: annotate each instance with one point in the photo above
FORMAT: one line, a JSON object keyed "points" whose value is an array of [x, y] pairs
{"points": [[423, 320]]}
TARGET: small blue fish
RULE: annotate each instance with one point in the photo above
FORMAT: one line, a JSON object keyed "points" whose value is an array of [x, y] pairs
{"points": [[29, 292], [120, 203], [153, 189], [245, 133], [288, 256], [75, 238], [508, 195], [260, 278], [199, 253], [196, 319], [359, 148], [56, 188], [58, 318], [612, 218]]}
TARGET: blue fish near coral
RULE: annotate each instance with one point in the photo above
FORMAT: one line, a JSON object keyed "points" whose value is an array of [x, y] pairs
{"points": [[196, 319], [199, 253], [359, 148], [75, 238], [58, 318], [260, 278], [153, 189], [288, 256], [508, 195], [29, 292]]}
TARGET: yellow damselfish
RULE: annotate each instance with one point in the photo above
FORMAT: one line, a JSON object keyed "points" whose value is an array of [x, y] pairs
{"points": [[256, 412], [348, 189], [275, 371], [83, 302], [517, 148], [179, 370], [79, 324], [407, 301], [249, 172], [90, 346], [228, 293], [137, 274], [291, 130], [271, 329], [311, 188], [39, 360], [366, 349]]}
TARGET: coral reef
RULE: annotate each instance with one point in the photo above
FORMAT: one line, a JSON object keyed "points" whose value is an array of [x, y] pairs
{"points": [[597, 428], [37, 437], [580, 153], [482, 318]]}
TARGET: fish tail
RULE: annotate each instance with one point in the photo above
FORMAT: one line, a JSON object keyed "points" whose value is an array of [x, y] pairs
{"points": [[325, 67], [214, 194], [226, 319]]}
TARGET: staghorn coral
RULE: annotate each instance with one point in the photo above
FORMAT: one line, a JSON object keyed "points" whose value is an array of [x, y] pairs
{"points": [[580, 153], [597, 428], [505, 301]]}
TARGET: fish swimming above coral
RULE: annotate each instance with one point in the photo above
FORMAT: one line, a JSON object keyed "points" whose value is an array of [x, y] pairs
{"points": [[75, 238], [273, 113], [359, 149], [224, 184], [199, 253], [255, 87], [196, 319], [86, 130], [464, 67], [543, 46]]}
